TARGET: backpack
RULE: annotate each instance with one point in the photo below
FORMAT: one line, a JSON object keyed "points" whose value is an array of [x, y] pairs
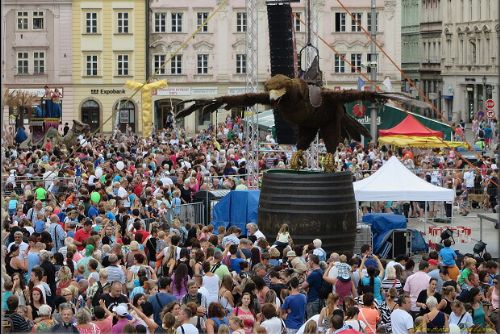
{"points": [[325, 289], [97, 295], [198, 299]]}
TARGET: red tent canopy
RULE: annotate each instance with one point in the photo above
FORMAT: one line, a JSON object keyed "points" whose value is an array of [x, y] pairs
{"points": [[410, 126]]}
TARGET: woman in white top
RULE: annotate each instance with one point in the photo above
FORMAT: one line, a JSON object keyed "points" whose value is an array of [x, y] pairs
{"points": [[272, 323], [460, 318], [210, 283], [283, 238], [353, 321]]}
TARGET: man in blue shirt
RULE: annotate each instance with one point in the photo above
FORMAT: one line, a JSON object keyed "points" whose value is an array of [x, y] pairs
{"points": [[313, 282], [162, 298], [234, 260], [294, 307], [448, 257]]}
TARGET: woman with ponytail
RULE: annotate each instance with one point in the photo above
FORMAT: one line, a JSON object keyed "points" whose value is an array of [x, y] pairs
{"points": [[373, 281]]}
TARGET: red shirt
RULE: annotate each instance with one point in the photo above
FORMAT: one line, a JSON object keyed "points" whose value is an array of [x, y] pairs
{"points": [[145, 234], [81, 235], [138, 189]]}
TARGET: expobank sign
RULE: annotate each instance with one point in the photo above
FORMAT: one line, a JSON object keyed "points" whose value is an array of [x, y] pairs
{"points": [[103, 91]]}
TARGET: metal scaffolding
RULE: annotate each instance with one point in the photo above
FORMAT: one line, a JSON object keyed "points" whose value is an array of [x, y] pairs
{"points": [[312, 154], [251, 114]]}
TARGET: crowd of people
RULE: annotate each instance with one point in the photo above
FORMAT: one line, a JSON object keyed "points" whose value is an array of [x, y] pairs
{"points": [[95, 242]]}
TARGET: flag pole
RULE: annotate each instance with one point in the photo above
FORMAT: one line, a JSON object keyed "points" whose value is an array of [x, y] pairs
{"points": [[373, 70]]}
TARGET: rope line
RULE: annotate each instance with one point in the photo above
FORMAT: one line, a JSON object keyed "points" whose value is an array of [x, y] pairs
{"points": [[402, 72]]}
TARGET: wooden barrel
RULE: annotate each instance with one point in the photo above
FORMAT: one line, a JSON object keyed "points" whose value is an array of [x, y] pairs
{"points": [[313, 204]]}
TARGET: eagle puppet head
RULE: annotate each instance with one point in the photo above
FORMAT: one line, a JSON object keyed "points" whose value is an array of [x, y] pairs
{"points": [[280, 86]]}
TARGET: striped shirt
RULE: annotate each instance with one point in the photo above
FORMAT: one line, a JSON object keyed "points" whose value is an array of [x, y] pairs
{"points": [[19, 324], [115, 273]]}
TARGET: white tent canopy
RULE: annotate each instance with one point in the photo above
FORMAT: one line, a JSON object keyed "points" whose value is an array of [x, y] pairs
{"points": [[394, 182]]}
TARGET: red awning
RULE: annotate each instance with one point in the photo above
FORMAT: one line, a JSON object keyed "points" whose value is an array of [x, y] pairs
{"points": [[410, 126]]}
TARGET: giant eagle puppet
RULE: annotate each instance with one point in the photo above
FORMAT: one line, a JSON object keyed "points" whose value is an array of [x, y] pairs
{"points": [[311, 108]]}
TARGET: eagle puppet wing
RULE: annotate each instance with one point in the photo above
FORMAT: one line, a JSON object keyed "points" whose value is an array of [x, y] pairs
{"points": [[226, 102], [311, 109]]}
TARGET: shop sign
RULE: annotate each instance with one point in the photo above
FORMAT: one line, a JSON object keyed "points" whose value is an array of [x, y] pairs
{"points": [[236, 90], [206, 91], [174, 91], [103, 91]]}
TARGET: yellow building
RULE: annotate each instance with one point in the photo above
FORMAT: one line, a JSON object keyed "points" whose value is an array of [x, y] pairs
{"points": [[108, 48]]}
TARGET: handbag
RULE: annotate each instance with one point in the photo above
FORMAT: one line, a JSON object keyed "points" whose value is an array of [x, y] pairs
{"points": [[283, 327]]}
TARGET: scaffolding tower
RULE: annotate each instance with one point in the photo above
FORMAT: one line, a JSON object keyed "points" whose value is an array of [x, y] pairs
{"points": [[313, 153], [251, 113]]}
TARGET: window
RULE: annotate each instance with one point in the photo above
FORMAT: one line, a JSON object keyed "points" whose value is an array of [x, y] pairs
{"points": [[39, 62], [296, 21], [202, 64], [339, 22], [356, 22], [158, 67], [37, 20], [369, 23], [241, 22], [369, 59], [176, 65], [160, 22], [122, 23], [176, 22], [22, 63], [241, 63], [91, 65], [474, 53], [202, 17], [22, 20], [340, 63], [355, 62], [91, 23], [122, 63]]}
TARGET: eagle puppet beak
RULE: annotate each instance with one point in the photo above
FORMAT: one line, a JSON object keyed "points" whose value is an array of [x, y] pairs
{"points": [[275, 94]]}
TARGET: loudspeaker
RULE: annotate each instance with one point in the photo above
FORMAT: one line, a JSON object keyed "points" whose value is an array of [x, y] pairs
{"points": [[401, 243], [282, 56]]}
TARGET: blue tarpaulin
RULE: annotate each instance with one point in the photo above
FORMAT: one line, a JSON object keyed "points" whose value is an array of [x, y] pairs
{"points": [[382, 225], [237, 208]]}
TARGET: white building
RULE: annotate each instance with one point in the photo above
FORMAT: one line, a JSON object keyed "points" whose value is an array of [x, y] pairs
{"points": [[470, 37], [214, 62]]}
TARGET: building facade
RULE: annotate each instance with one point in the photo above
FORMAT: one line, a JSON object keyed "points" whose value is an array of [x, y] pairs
{"points": [[410, 45], [108, 48], [430, 52], [36, 51], [214, 61], [470, 39], [343, 33]]}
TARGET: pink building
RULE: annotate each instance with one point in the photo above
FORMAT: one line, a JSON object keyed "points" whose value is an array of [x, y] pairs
{"points": [[36, 50]]}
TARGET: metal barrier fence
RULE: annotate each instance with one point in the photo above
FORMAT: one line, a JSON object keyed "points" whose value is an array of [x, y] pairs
{"points": [[192, 213], [187, 213]]}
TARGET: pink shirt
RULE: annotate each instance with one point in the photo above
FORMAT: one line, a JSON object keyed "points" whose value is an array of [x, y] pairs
{"points": [[414, 285], [105, 325]]}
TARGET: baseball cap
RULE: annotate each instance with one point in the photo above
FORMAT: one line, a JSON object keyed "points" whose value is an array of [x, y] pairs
{"points": [[433, 262], [122, 311]]}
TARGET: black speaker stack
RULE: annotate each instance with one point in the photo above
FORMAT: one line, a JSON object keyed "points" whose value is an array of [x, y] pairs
{"points": [[283, 60]]}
